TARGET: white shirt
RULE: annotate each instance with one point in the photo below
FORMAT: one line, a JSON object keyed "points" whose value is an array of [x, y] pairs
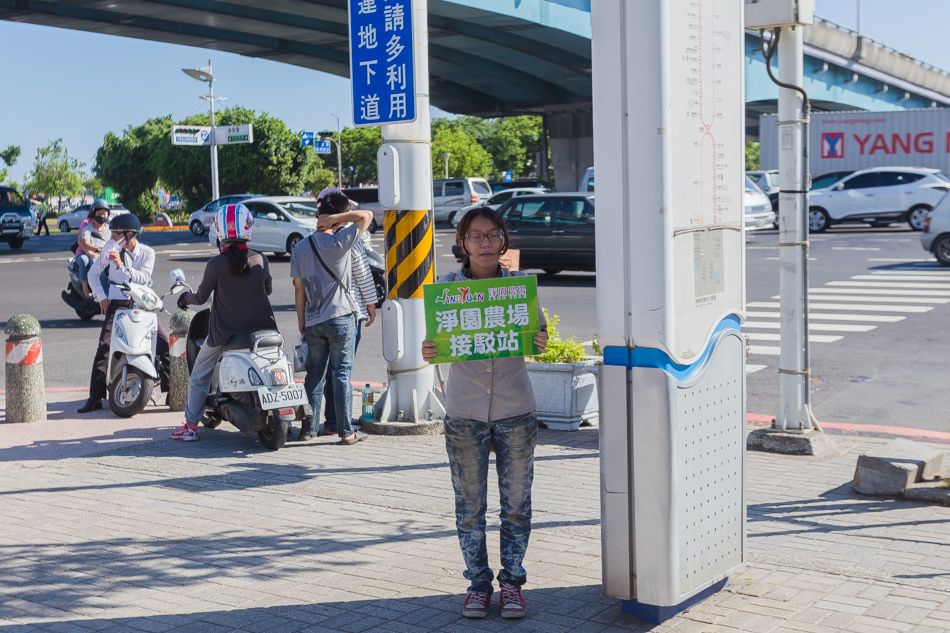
{"points": [[143, 261]]}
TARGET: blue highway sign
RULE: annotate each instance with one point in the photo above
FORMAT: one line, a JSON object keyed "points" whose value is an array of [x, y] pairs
{"points": [[321, 147], [381, 62], [306, 139]]}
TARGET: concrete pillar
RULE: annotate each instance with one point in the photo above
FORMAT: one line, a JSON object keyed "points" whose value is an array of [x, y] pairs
{"points": [[178, 367], [26, 386], [571, 135]]}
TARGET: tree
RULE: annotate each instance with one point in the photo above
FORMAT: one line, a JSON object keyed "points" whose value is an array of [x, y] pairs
{"points": [[55, 173], [130, 164], [515, 144], [9, 156], [751, 155], [466, 156], [319, 179], [274, 164], [359, 148]]}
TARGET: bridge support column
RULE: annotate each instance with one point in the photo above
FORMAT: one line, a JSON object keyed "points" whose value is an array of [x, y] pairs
{"points": [[572, 144]]}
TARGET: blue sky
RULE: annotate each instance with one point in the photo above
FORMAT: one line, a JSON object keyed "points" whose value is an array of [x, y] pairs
{"points": [[79, 86]]}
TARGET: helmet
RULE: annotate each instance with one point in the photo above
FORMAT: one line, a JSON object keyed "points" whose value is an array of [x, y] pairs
{"points": [[100, 204], [234, 223], [125, 223]]}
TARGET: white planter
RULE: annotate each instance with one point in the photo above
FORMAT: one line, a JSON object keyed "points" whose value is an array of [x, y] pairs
{"points": [[566, 394]]}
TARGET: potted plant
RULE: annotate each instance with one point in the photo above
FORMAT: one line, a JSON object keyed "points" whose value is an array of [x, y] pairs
{"points": [[564, 382]]}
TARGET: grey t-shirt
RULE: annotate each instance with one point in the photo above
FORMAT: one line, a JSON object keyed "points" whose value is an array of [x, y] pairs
{"points": [[325, 298]]}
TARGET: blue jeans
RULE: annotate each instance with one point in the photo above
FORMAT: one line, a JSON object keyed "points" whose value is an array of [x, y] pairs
{"points": [[84, 263], [329, 412], [468, 443], [331, 344]]}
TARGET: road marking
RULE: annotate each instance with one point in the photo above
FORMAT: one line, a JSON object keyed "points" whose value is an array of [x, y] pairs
{"points": [[869, 318], [813, 296], [33, 260], [751, 369], [855, 248], [863, 307], [823, 327], [903, 273], [765, 350], [814, 338], [898, 259], [899, 277], [889, 284], [889, 292]]}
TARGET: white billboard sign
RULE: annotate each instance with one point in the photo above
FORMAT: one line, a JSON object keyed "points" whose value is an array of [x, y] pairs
{"points": [[232, 134], [191, 135]]}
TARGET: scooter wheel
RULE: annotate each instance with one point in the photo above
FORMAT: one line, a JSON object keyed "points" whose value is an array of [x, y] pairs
{"points": [[211, 423], [130, 398], [275, 435]]}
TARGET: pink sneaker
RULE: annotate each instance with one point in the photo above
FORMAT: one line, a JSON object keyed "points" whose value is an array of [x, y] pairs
{"points": [[512, 602], [476, 604], [185, 433]]}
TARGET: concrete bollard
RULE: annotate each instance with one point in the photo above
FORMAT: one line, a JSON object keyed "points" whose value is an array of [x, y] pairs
{"points": [[178, 366], [26, 386]]}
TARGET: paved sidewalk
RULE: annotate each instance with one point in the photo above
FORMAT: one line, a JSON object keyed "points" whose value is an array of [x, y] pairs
{"points": [[222, 535]]}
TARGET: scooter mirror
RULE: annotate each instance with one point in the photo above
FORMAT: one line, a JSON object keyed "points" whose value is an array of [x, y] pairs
{"points": [[96, 234], [127, 260], [177, 275]]}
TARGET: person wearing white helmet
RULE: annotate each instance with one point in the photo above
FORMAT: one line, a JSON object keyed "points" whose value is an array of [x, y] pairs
{"points": [[241, 282]]}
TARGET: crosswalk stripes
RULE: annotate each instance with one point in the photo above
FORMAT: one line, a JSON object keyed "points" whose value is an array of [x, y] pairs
{"points": [[860, 304]]}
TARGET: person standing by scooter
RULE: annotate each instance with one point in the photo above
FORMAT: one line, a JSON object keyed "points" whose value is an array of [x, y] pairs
{"points": [[125, 230], [241, 282]]}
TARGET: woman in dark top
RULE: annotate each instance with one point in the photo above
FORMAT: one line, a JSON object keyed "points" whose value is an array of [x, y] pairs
{"points": [[241, 282]]}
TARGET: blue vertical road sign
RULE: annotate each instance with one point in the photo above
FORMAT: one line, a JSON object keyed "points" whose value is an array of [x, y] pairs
{"points": [[306, 139], [381, 62], [321, 147]]}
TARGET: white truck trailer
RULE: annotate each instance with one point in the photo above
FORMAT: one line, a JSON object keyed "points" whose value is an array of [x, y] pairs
{"points": [[843, 141]]}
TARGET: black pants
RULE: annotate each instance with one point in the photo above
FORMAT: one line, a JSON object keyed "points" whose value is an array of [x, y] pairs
{"points": [[97, 383], [42, 225]]}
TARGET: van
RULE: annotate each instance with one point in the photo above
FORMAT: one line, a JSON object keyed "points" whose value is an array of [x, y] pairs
{"points": [[587, 181], [368, 200], [450, 195]]}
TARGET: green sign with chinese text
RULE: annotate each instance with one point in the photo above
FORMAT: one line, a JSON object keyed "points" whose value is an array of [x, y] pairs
{"points": [[481, 319]]}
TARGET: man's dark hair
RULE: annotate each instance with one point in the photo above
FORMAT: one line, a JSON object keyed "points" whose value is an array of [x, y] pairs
{"points": [[333, 203]]}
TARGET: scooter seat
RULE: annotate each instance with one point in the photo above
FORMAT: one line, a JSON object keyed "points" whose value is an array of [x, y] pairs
{"points": [[261, 338]]}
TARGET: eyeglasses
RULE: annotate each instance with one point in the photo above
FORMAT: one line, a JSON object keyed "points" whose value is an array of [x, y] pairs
{"points": [[478, 238]]}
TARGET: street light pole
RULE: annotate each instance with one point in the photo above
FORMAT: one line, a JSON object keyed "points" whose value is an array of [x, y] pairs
{"points": [[339, 152], [204, 74]]}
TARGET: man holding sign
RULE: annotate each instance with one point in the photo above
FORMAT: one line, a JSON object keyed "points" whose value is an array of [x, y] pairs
{"points": [[488, 317]]}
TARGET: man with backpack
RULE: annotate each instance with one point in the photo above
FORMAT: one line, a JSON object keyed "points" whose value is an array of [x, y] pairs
{"points": [[327, 312]]}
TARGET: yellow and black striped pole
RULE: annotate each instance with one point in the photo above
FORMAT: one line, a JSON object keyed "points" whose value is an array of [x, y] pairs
{"points": [[410, 253]]}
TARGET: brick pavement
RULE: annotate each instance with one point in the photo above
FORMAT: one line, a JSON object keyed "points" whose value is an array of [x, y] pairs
{"points": [[221, 535]]}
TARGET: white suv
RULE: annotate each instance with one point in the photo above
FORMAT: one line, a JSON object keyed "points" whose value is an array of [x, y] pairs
{"points": [[878, 196]]}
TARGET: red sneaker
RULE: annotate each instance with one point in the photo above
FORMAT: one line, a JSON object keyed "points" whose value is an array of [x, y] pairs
{"points": [[512, 602], [476, 604]]}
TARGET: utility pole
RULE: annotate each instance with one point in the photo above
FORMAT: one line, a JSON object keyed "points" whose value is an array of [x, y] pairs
{"points": [[204, 74], [339, 152]]}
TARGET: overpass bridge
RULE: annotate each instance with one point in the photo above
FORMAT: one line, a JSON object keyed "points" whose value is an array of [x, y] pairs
{"points": [[495, 57]]}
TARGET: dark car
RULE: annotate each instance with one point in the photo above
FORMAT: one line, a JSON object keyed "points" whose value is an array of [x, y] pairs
{"points": [[498, 185], [553, 231], [16, 218]]}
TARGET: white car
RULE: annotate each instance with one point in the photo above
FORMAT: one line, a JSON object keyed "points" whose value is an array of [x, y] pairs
{"points": [[878, 196], [497, 200], [758, 208], [69, 221], [279, 223], [200, 221], [935, 236]]}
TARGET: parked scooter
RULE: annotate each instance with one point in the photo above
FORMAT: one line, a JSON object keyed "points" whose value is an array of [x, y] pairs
{"points": [[252, 386], [85, 307], [132, 353]]}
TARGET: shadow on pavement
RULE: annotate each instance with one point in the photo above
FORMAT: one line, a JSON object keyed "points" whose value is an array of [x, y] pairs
{"points": [[562, 608], [71, 324]]}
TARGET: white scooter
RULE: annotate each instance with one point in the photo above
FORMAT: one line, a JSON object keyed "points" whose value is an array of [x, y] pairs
{"points": [[132, 352], [252, 386]]}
